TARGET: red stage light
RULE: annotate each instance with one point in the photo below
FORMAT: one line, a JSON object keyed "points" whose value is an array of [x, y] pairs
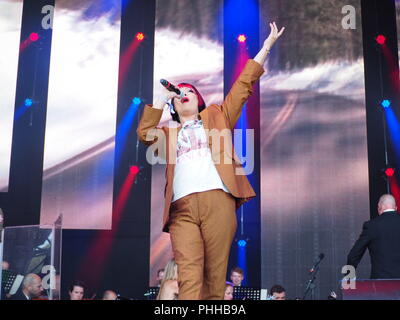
{"points": [[140, 36], [34, 36], [389, 172], [241, 38], [380, 39], [134, 170]]}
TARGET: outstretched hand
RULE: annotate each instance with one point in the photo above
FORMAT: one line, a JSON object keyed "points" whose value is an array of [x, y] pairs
{"points": [[273, 36], [268, 43]]}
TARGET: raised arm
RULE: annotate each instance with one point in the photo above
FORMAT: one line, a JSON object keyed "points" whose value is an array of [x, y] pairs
{"points": [[243, 86], [268, 43]]}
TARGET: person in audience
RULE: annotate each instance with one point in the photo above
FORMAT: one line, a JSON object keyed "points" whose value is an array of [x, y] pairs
{"points": [[169, 285], [109, 295], [76, 290], [237, 276], [5, 265], [160, 277], [228, 291], [278, 292], [31, 288]]}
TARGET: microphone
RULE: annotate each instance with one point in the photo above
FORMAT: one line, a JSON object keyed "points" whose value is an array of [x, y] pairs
{"points": [[319, 259], [170, 87]]}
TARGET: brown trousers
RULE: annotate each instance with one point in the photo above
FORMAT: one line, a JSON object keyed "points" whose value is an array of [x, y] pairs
{"points": [[202, 227]]}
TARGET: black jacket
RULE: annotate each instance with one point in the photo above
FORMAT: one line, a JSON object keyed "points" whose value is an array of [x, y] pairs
{"points": [[19, 295], [381, 236]]}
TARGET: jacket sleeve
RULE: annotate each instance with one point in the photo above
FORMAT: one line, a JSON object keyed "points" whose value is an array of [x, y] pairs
{"points": [[358, 250], [241, 90], [147, 130]]}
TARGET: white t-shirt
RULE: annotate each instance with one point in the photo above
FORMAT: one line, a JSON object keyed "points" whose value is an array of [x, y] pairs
{"points": [[194, 170]]}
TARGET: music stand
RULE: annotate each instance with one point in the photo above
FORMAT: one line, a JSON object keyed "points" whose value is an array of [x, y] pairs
{"points": [[152, 293], [246, 293], [10, 282]]}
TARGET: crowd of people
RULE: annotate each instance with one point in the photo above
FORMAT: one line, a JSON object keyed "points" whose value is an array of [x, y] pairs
{"points": [[167, 279], [32, 289]]}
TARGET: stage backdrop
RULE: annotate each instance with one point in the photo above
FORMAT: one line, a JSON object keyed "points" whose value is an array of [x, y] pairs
{"points": [[10, 33], [314, 147], [81, 114]]}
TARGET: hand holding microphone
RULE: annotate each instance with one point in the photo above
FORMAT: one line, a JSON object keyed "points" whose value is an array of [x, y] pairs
{"points": [[170, 87], [170, 93]]}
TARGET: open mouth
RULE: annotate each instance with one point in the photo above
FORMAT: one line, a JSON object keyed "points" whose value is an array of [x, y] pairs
{"points": [[184, 99]]}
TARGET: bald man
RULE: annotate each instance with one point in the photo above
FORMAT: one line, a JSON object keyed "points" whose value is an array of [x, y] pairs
{"points": [[109, 295], [31, 288], [381, 236]]}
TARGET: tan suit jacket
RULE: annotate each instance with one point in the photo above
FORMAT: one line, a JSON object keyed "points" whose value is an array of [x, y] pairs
{"points": [[216, 119]]}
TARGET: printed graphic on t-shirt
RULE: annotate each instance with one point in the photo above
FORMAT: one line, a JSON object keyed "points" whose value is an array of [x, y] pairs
{"points": [[192, 142]]}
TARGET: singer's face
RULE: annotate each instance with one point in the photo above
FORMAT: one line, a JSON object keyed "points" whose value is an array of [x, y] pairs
{"points": [[188, 104]]}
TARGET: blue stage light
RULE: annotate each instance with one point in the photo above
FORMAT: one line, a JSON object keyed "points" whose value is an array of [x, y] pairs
{"points": [[242, 243], [385, 103], [28, 102], [136, 101], [124, 128]]}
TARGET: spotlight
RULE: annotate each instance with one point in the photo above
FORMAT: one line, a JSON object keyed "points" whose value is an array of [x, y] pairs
{"points": [[140, 36], [389, 172], [34, 37], [134, 170], [242, 243], [385, 103], [380, 39], [28, 102], [136, 101], [241, 38]]}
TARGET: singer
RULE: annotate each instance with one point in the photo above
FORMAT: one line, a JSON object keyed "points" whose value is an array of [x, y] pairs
{"points": [[202, 192]]}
